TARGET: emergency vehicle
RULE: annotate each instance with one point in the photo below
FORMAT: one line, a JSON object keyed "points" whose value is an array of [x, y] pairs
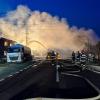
{"points": [[52, 55]]}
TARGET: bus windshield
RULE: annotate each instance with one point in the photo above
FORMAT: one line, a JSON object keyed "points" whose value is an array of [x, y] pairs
{"points": [[12, 50]]}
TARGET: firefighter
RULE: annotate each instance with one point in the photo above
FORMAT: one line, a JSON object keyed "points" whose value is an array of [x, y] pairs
{"points": [[83, 60], [53, 57], [78, 56], [73, 57]]}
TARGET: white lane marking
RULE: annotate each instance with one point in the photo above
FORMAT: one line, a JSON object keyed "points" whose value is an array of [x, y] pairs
{"points": [[37, 63], [57, 73], [17, 72], [98, 72], [21, 70], [10, 75], [25, 68], [34, 65], [28, 66], [2, 80]]}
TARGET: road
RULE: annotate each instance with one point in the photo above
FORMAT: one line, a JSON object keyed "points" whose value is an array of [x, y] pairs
{"points": [[39, 80], [34, 75], [91, 75], [59, 90], [9, 69]]}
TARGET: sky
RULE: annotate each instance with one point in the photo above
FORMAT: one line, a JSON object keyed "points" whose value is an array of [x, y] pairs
{"points": [[80, 13]]}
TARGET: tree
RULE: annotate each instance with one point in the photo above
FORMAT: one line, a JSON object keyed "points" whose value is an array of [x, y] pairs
{"points": [[98, 50]]}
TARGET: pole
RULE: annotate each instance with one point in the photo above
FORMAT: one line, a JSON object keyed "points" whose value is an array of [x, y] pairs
{"points": [[26, 35], [88, 45]]}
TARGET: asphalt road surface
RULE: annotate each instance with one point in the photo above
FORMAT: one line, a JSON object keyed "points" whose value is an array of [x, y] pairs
{"points": [[77, 87], [89, 74], [40, 81], [37, 77], [11, 68]]}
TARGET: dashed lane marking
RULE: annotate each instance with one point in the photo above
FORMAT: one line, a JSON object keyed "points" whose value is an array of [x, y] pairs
{"points": [[2, 79], [17, 72], [35, 65]]}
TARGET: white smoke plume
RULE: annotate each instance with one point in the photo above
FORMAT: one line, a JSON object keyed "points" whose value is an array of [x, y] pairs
{"points": [[44, 31]]}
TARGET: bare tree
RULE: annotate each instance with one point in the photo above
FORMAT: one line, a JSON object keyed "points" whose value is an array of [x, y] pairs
{"points": [[97, 47]]}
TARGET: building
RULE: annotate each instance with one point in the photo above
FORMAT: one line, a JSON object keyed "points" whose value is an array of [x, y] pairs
{"points": [[4, 44]]}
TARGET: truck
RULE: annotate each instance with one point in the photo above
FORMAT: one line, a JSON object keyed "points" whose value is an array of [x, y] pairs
{"points": [[18, 53], [53, 55]]}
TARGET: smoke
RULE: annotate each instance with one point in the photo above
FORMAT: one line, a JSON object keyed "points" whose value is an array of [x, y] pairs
{"points": [[44, 31]]}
